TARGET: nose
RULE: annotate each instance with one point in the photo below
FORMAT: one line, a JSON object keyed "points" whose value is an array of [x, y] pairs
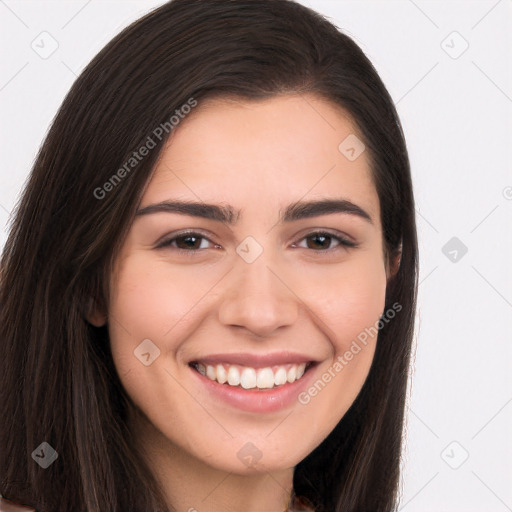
{"points": [[258, 298]]}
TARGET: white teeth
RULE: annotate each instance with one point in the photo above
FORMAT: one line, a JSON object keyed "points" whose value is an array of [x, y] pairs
{"points": [[222, 376], [280, 377], [250, 378], [210, 372], [233, 376], [292, 374], [266, 378]]}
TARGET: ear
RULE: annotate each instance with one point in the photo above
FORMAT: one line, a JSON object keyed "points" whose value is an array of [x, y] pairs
{"points": [[394, 263], [96, 313]]}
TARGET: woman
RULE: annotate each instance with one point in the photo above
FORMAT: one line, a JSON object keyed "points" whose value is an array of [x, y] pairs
{"points": [[208, 291]]}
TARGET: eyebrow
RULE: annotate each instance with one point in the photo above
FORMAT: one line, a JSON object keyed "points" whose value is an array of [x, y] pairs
{"points": [[228, 215]]}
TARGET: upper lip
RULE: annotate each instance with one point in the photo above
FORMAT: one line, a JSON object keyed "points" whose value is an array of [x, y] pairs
{"points": [[255, 360]]}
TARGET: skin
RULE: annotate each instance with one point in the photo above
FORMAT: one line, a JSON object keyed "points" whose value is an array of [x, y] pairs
{"points": [[298, 295]]}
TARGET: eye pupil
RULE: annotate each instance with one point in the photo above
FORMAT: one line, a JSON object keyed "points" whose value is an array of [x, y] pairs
{"points": [[187, 245], [322, 239]]}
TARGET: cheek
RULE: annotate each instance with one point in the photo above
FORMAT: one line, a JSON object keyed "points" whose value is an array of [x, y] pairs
{"points": [[151, 304], [348, 308], [347, 300], [145, 305], [147, 309]]}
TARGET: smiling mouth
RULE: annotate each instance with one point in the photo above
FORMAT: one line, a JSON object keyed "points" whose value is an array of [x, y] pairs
{"points": [[246, 377]]}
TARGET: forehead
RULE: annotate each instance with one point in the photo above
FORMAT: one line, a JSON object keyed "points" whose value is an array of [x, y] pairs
{"points": [[278, 149]]}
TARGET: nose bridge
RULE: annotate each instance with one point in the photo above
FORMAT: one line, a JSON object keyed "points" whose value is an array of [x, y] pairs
{"points": [[256, 298]]}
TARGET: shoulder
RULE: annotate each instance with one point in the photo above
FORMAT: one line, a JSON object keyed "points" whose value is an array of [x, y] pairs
{"points": [[10, 506]]}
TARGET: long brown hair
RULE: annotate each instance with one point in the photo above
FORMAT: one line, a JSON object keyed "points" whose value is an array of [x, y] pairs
{"points": [[59, 383]]}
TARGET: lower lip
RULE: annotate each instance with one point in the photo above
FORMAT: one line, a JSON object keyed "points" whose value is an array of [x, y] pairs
{"points": [[251, 400]]}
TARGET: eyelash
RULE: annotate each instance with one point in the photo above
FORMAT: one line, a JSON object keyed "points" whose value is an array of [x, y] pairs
{"points": [[343, 242]]}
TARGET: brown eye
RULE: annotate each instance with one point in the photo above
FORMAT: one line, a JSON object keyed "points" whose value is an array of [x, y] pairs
{"points": [[188, 242], [319, 241], [322, 241]]}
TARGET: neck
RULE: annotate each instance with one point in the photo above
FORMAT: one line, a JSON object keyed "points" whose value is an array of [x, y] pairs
{"points": [[190, 484]]}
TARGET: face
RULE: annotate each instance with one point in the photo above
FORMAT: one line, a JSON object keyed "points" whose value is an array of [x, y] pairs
{"points": [[255, 289]]}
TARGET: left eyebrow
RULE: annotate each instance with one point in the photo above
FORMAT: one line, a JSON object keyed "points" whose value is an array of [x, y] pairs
{"points": [[307, 209], [228, 215]]}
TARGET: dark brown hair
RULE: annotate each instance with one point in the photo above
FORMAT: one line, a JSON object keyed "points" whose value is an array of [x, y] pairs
{"points": [[59, 383]]}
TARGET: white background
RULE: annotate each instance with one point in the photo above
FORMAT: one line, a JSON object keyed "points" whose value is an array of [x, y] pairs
{"points": [[457, 116]]}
